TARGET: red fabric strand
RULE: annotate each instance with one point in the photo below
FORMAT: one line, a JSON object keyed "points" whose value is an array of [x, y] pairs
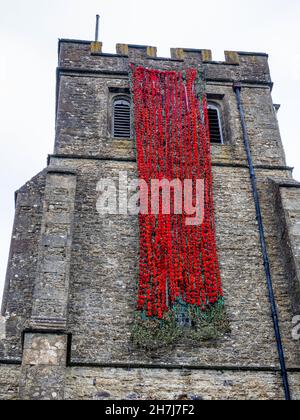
{"points": [[178, 263]]}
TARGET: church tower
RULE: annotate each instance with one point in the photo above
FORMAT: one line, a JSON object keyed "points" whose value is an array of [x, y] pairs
{"points": [[71, 287]]}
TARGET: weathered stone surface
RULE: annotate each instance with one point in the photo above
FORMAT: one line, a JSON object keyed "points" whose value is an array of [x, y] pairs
{"points": [[9, 382], [252, 66], [51, 291], [84, 121], [2, 327], [43, 368], [104, 269], [42, 383], [287, 201], [160, 384], [49, 350], [71, 265], [22, 265]]}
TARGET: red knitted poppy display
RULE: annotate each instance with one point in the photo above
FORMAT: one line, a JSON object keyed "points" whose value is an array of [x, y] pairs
{"points": [[178, 263]]}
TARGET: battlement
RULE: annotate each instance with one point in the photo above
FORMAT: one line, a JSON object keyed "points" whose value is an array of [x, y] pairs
{"points": [[237, 66], [177, 54]]}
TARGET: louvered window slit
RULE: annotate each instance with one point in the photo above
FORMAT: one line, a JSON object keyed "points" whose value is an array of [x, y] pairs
{"points": [[122, 119]]}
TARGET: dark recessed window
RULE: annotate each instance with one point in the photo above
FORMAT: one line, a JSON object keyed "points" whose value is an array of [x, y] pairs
{"points": [[122, 118], [215, 124]]}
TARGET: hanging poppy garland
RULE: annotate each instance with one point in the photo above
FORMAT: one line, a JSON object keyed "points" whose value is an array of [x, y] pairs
{"points": [[180, 290]]}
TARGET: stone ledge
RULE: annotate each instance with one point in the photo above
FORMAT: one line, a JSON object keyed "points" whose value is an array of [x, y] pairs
{"points": [[153, 366], [91, 72], [61, 171], [229, 164], [289, 184]]}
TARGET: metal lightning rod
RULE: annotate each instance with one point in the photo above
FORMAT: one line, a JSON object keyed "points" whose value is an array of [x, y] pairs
{"points": [[97, 28]]}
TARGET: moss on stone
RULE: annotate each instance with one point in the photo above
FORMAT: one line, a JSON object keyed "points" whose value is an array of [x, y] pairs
{"points": [[152, 334]]}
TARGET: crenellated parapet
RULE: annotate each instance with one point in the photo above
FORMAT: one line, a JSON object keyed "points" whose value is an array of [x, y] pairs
{"points": [[88, 56]]}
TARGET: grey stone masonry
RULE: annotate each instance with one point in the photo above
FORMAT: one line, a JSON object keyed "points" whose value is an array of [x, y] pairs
{"points": [[288, 203], [71, 284], [44, 367], [51, 291]]}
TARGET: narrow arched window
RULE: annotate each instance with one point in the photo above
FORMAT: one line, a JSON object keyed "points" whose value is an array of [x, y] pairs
{"points": [[122, 118], [215, 124]]}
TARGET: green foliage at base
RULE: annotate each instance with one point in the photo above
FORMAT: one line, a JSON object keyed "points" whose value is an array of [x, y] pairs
{"points": [[152, 334]]}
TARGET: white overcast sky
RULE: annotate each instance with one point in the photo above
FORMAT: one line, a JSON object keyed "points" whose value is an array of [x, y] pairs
{"points": [[29, 30]]}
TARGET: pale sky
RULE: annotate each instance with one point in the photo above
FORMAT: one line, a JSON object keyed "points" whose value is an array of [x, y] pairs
{"points": [[29, 30]]}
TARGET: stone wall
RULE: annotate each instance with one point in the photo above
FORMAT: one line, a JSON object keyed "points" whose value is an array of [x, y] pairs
{"points": [[43, 367], [9, 382], [51, 286], [287, 199], [141, 384], [22, 265], [84, 113], [245, 67], [104, 269], [172, 384], [73, 273]]}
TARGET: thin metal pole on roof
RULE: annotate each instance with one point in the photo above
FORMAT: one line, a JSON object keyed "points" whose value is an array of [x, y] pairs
{"points": [[97, 28]]}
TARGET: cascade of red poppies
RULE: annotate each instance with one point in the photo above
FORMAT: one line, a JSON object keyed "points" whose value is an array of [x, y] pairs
{"points": [[178, 262]]}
